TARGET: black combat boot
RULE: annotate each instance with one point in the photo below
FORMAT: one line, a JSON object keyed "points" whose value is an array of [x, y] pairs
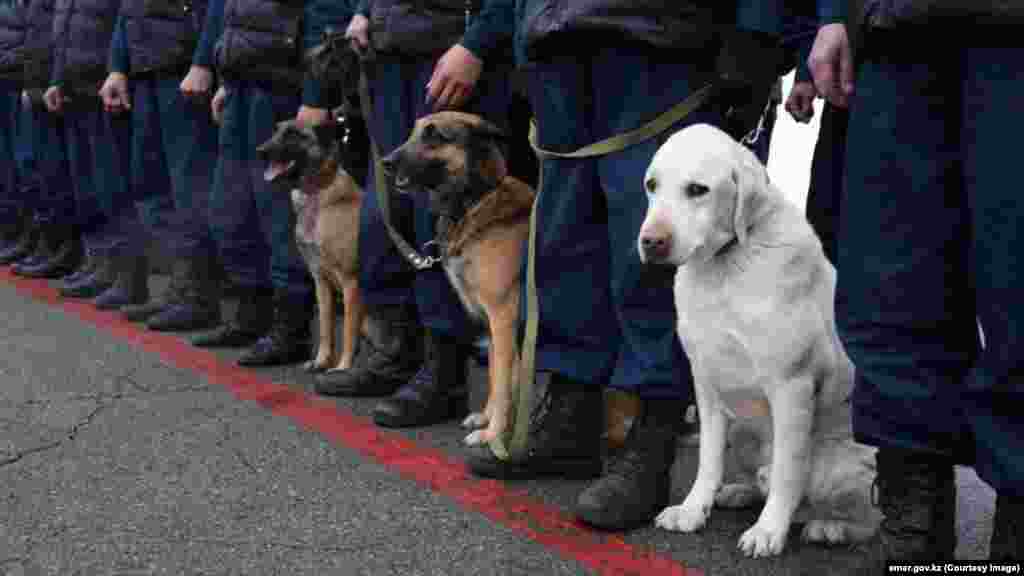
{"points": [[252, 320], [1007, 544], [389, 357], [195, 305], [171, 294], [636, 486], [12, 233], [564, 436], [436, 393], [24, 245], [131, 280], [94, 283], [46, 247], [65, 253], [289, 339], [917, 495]]}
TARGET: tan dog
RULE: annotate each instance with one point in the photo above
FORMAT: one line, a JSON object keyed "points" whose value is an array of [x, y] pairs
{"points": [[484, 220], [327, 203], [754, 298]]}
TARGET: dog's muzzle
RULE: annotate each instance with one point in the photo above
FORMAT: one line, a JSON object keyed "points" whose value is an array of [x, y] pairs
{"points": [[655, 249]]}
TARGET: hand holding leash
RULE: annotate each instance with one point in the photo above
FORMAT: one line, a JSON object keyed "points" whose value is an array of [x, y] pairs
{"points": [[831, 64], [358, 34], [54, 99], [455, 75], [800, 102]]}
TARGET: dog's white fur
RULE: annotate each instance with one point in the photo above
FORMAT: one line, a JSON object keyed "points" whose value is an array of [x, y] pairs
{"points": [[754, 297]]}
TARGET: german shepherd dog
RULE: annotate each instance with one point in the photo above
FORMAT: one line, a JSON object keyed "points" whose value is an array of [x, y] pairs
{"points": [[307, 160], [483, 221]]}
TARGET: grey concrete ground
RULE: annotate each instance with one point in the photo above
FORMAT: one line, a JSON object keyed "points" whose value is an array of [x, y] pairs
{"points": [[112, 462]]}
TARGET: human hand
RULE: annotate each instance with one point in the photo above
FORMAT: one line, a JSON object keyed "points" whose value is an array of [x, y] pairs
{"points": [[197, 83], [831, 65], [454, 78], [358, 33], [217, 104], [800, 102], [114, 93]]}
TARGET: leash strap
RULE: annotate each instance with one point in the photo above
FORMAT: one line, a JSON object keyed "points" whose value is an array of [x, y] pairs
{"points": [[417, 260], [512, 445]]}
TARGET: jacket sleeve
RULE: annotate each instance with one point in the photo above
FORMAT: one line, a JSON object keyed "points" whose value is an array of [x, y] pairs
{"points": [[319, 15], [803, 73], [832, 11], [119, 59], [362, 7], [59, 56], [212, 28], [490, 32]]}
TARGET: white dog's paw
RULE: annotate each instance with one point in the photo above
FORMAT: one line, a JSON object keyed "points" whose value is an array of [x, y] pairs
{"points": [[686, 517], [826, 532], [760, 540], [475, 420], [738, 496]]}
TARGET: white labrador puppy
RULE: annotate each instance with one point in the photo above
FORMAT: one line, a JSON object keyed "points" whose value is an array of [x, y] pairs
{"points": [[754, 297]]}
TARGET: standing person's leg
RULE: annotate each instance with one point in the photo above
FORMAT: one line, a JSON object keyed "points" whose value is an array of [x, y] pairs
{"points": [[45, 183], [578, 337], [97, 275], [235, 227], [18, 237], [112, 155], [393, 350], [650, 362], [991, 121], [188, 138], [13, 219], [826, 187], [438, 389], [904, 299], [289, 337]]}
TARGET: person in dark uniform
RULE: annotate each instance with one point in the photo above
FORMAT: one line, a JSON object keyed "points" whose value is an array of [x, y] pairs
{"points": [[928, 251], [49, 246], [99, 152], [597, 69], [257, 46], [453, 55], [14, 217], [174, 150]]}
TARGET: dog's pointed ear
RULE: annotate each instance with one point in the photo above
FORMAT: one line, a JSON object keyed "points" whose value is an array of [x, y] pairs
{"points": [[326, 133], [751, 180]]}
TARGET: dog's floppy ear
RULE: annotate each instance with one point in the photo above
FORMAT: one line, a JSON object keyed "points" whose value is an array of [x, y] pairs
{"points": [[488, 131], [750, 179], [326, 133]]}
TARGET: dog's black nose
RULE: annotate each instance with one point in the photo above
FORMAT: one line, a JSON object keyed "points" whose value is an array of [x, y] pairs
{"points": [[655, 247]]}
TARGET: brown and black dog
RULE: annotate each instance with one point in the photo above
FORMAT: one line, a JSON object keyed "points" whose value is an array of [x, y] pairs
{"points": [[327, 203], [484, 219]]}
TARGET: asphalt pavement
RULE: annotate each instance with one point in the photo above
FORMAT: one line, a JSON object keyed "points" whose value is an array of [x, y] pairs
{"points": [[129, 453]]}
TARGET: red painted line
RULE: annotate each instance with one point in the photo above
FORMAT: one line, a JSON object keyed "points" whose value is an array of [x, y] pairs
{"points": [[605, 554]]}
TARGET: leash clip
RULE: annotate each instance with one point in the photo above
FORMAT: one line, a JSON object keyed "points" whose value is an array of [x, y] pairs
{"points": [[754, 135]]}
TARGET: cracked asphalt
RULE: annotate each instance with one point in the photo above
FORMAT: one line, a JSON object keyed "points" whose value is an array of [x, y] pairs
{"points": [[115, 462]]}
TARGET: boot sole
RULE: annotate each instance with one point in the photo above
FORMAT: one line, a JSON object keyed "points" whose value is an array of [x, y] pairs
{"points": [[456, 408], [568, 469]]}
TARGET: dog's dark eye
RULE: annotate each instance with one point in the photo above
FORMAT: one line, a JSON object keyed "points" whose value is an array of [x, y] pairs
{"points": [[651, 185], [432, 134], [695, 190]]}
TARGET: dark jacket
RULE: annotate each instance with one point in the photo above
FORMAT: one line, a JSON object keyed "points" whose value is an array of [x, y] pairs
{"points": [[955, 14], [82, 31], [13, 36], [156, 35], [263, 41], [430, 27]]}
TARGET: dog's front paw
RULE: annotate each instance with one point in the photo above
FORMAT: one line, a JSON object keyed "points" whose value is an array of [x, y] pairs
{"points": [[476, 420], [760, 540], [686, 517]]}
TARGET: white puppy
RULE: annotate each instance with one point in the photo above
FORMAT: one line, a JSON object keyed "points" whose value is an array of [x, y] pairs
{"points": [[754, 297]]}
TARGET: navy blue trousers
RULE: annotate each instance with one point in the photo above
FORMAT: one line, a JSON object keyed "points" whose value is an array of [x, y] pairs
{"points": [[99, 159], [827, 168], [251, 219], [10, 197], [930, 244], [605, 318], [398, 92], [43, 166], [174, 153]]}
